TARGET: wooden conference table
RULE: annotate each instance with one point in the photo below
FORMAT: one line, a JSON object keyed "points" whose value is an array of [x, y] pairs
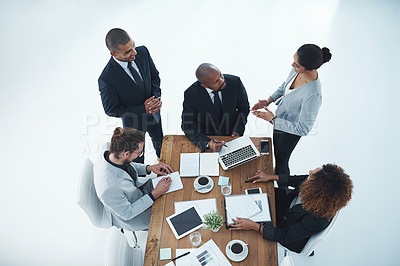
{"points": [[261, 252]]}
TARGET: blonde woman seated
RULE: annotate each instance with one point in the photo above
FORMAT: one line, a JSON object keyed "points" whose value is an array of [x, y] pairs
{"points": [[304, 211]]}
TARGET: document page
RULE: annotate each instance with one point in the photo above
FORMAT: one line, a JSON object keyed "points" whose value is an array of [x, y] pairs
{"points": [[190, 164], [209, 254], [176, 183], [262, 202], [242, 206], [185, 260], [205, 205], [209, 164]]}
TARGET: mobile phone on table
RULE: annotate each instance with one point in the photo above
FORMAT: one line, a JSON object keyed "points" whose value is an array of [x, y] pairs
{"points": [[264, 144], [253, 191]]}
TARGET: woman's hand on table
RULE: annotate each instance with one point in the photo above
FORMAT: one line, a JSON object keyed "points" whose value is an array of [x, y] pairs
{"points": [[260, 176], [244, 224]]}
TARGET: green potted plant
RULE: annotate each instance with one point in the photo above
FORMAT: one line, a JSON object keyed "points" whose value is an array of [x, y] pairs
{"points": [[213, 220]]}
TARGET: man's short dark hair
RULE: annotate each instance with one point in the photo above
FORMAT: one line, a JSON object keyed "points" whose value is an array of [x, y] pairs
{"points": [[116, 37]]}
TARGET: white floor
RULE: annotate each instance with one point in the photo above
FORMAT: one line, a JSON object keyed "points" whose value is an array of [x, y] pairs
{"points": [[52, 118]]}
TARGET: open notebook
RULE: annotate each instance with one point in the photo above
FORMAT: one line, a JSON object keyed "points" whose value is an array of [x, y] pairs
{"points": [[195, 164]]}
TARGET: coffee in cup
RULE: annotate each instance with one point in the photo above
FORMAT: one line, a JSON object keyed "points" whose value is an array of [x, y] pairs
{"points": [[237, 248], [203, 181]]}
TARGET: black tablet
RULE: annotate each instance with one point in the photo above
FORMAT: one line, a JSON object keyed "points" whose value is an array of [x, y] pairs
{"points": [[185, 222]]}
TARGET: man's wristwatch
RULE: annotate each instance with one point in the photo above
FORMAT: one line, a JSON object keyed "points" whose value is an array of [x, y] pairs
{"points": [[148, 172]]}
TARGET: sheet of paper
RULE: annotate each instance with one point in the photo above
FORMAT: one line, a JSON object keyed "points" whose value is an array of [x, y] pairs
{"points": [[204, 206], [165, 253], [176, 183], [190, 164], [242, 206], [185, 260], [171, 263], [223, 180], [262, 202], [209, 254], [209, 164]]}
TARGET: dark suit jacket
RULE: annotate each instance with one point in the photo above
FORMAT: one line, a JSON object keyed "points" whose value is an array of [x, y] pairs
{"points": [[298, 224], [198, 115], [120, 95]]}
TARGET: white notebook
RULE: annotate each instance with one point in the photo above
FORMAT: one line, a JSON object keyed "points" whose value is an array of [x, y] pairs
{"points": [[176, 182], [195, 164]]}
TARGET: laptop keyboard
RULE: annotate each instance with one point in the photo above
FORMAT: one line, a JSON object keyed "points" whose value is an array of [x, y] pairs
{"points": [[238, 156]]}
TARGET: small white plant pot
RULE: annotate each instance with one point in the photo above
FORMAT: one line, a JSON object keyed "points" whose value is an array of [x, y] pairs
{"points": [[216, 230]]}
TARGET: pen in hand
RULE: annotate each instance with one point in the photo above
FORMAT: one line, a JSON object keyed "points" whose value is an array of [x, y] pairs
{"points": [[216, 141]]}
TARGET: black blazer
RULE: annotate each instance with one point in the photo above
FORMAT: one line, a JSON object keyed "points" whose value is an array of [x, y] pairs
{"points": [[298, 224], [120, 95], [198, 115]]}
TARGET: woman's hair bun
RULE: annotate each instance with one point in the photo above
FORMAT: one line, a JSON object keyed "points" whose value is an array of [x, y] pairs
{"points": [[326, 54]]}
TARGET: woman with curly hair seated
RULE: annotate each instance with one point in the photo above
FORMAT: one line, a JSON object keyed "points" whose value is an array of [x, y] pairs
{"points": [[304, 211]]}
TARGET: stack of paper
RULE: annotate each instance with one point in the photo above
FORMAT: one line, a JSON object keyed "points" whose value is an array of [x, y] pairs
{"points": [[244, 206], [254, 207]]}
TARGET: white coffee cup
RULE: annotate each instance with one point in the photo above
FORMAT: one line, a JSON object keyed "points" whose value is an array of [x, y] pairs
{"points": [[203, 180], [237, 248]]}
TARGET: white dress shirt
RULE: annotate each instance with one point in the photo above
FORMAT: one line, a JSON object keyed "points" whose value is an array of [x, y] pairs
{"points": [[124, 65], [211, 94]]}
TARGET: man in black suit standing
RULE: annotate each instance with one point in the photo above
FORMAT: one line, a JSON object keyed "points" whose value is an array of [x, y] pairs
{"points": [[130, 87], [215, 104]]}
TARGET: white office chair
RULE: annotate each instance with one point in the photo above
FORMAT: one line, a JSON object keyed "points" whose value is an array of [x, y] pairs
{"points": [[311, 243], [287, 260], [94, 208], [317, 238], [88, 200], [118, 252]]}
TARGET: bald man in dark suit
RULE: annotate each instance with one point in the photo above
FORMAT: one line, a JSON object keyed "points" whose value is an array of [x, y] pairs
{"points": [[216, 104]]}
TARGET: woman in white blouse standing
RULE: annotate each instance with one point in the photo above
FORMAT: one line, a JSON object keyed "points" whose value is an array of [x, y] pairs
{"points": [[298, 99]]}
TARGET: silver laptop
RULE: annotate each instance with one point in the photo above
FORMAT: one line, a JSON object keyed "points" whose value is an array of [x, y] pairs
{"points": [[237, 152]]}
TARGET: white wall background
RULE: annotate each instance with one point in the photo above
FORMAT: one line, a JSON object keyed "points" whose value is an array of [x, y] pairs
{"points": [[52, 118]]}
